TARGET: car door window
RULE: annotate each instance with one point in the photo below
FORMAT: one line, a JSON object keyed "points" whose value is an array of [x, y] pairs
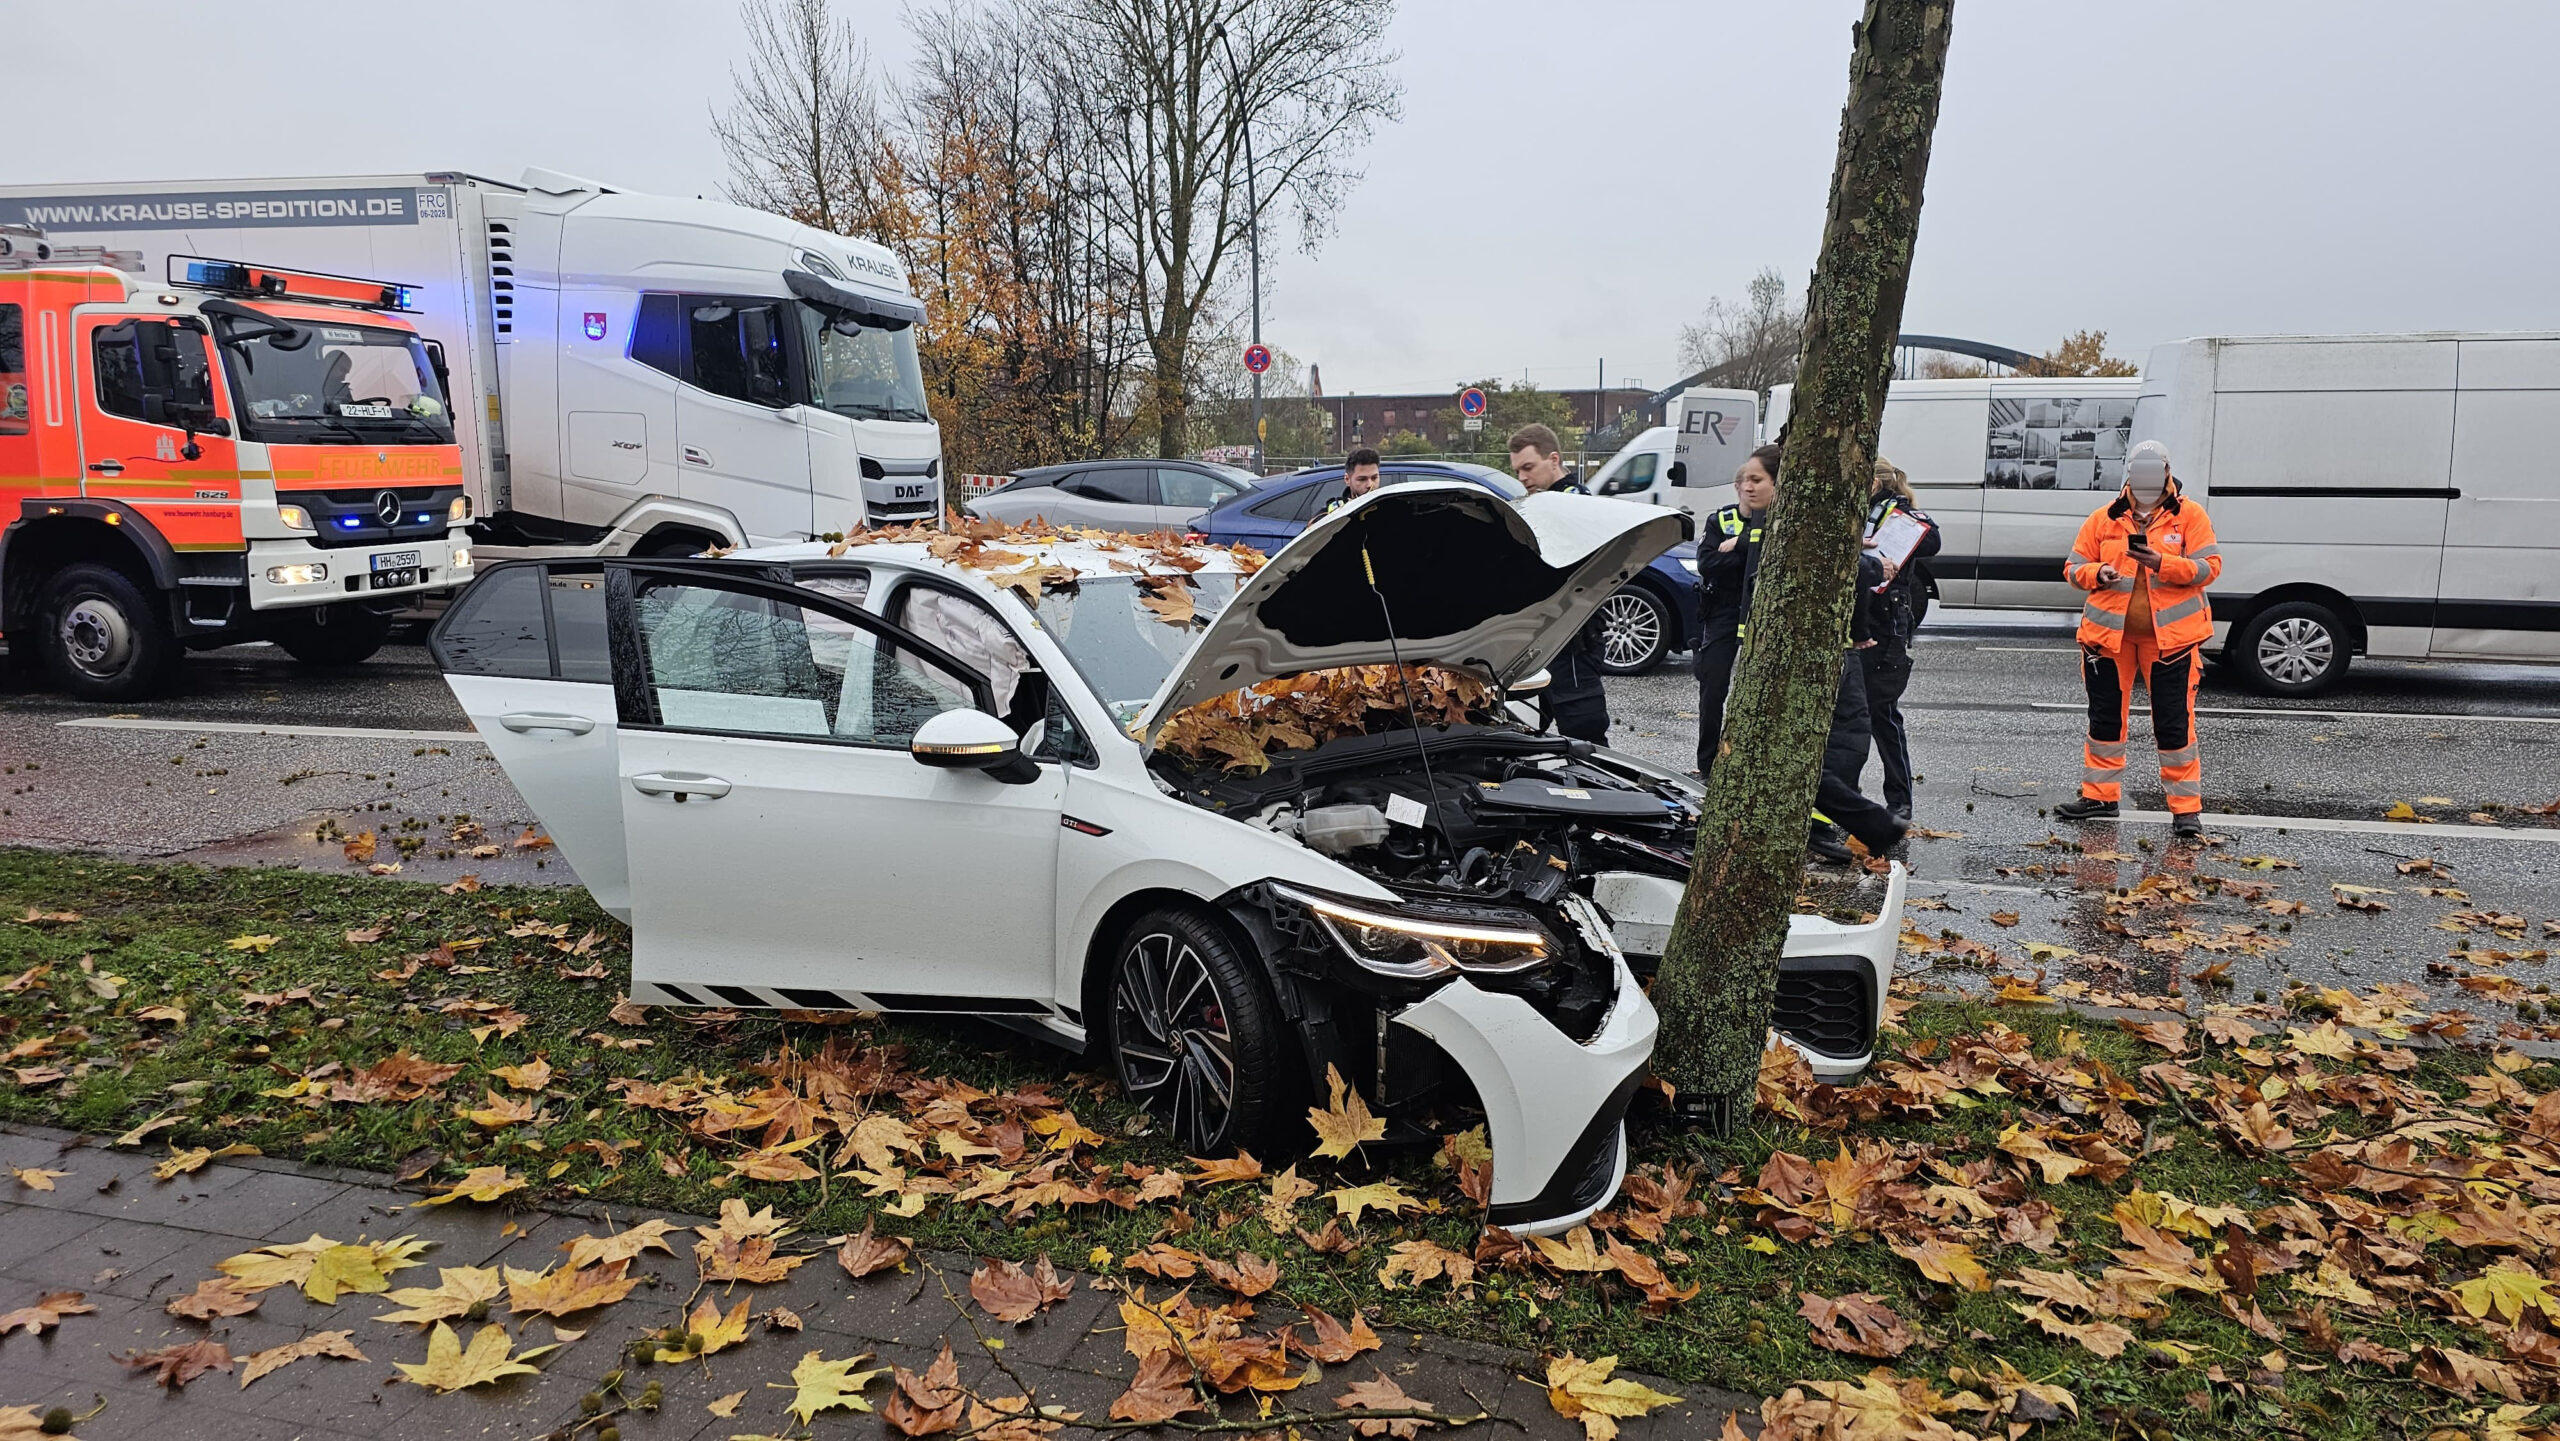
{"points": [[970, 632], [1318, 498], [529, 621], [1128, 486], [1284, 507], [13, 371], [749, 663], [145, 367], [1638, 476], [738, 348], [1190, 489]]}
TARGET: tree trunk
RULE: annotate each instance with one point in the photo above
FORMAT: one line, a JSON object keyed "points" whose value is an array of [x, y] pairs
{"points": [[1719, 974]]}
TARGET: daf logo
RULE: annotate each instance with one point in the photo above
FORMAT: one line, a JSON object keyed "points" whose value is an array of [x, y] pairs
{"points": [[386, 507]]}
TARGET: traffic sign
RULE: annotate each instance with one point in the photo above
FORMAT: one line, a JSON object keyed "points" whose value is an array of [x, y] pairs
{"points": [[1473, 422], [1471, 400], [1257, 358]]}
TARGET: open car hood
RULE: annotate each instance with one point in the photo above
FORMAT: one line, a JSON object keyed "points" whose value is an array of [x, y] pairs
{"points": [[1474, 582]]}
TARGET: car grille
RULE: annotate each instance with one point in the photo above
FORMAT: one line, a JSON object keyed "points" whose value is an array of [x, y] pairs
{"points": [[330, 510], [1827, 1005]]}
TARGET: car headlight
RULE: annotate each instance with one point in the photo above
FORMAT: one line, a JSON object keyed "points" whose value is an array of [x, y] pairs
{"points": [[1689, 563], [294, 517], [1411, 946], [461, 558], [460, 511]]}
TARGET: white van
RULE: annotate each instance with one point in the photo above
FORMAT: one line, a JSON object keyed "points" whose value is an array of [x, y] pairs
{"points": [[2008, 469], [1689, 463], [2387, 495]]}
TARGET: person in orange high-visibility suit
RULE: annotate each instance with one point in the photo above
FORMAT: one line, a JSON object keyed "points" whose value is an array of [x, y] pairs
{"points": [[2145, 561]]}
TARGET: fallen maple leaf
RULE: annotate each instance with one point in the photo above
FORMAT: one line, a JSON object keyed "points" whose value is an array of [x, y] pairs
{"points": [[563, 1291], [1384, 1196], [1575, 1252], [623, 1245], [485, 1183], [741, 1247], [449, 1367], [1418, 1261], [819, 1385], [45, 1314], [175, 1366], [1336, 1343], [1946, 1262], [861, 1255], [1249, 1276], [1383, 1395], [1161, 1390], [1344, 1122], [460, 1292], [533, 1075], [1015, 1294], [1583, 1391], [713, 1330], [1871, 1328], [928, 1404], [217, 1296], [1239, 1167], [36, 1178], [320, 1343], [187, 1163]]}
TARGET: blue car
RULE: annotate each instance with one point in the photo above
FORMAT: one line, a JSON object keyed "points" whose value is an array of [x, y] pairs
{"points": [[1654, 615]]}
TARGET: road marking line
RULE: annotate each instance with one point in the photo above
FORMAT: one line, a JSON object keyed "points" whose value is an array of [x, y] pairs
{"points": [[2334, 716], [2371, 828], [136, 723]]}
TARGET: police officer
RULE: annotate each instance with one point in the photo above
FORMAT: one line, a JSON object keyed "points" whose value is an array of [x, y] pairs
{"points": [[1359, 477], [1573, 700], [1728, 567], [1892, 616]]}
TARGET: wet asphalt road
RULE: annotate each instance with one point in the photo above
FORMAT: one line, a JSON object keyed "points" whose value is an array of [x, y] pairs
{"points": [[1995, 715]]}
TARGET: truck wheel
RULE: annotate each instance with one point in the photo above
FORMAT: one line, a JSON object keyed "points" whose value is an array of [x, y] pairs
{"points": [[2298, 648], [332, 635], [104, 637], [1635, 631]]}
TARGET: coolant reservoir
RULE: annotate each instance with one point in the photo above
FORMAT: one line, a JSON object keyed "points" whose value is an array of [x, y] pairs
{"points": [[1332, 830]]}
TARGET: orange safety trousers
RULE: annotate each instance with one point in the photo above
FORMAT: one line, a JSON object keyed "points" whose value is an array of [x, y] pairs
{"points": [[2171, 680]]}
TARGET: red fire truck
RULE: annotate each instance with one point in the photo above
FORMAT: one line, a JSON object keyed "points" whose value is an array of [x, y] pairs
{"points": [[246, 453]]}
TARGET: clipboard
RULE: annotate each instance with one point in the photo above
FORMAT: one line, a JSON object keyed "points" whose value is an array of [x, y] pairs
{"points": [[1897, 538]]}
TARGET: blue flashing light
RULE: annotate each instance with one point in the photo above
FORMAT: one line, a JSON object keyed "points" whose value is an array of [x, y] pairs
{"points": [[421, 518], [405, 297], [350, 522]]}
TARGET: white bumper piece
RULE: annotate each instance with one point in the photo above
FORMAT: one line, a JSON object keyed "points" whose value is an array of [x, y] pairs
{"points": [[1552, 1107], [287, 573], [1641, 908]]}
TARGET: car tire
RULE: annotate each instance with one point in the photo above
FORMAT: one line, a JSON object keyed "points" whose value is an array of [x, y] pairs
{"points": [[104, 637], [1189, 1018], [332, 636], [2296, 648], [678, 546], [1637, 628]]}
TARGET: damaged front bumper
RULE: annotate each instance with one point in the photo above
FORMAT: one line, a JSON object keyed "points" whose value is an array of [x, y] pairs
{"points": [[1554, 1108]]}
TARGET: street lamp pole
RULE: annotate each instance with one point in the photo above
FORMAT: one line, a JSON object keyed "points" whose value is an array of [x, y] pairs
{"points": [[1253, 238]]}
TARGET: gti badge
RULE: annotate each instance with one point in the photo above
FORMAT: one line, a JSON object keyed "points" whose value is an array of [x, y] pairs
{"points": [[595, 325]]}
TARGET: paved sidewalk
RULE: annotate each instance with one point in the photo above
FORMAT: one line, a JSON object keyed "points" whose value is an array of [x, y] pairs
{"points": [[130, 1243]]}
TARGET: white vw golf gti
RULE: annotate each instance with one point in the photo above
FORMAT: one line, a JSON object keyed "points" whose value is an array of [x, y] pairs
{"points": [[946, 773]]}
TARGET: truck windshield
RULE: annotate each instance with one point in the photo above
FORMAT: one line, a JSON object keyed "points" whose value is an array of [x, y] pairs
{"points": [[862, 370], [342, 385]]}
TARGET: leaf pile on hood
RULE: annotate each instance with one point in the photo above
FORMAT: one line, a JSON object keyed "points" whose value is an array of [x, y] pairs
{"points": [[1302, 712], [993, 545]]}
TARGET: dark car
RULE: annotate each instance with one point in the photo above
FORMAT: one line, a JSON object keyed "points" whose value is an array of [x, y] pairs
{"points": [[1132, 495], [1655, 614]]}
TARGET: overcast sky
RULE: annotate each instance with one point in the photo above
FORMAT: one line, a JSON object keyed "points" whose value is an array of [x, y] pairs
{"points": [[1569, 184]]}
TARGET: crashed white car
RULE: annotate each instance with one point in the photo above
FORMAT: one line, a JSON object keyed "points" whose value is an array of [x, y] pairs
{"points": [[865, 777]]}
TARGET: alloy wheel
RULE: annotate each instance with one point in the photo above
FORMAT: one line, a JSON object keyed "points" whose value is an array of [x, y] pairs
{"points": [[2296, 650], [1630, 630], [1177, 1055], [96, 636]]}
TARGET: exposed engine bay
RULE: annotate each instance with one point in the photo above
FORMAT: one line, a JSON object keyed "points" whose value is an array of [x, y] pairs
{"points": [[1484, 821]]}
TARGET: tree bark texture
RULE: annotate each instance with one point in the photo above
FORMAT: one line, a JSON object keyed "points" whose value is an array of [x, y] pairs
{"points": [[1719, 975]]}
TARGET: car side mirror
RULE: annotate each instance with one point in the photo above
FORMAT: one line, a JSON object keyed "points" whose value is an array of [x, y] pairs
{"points": [[1680, 473], [973, 740]]}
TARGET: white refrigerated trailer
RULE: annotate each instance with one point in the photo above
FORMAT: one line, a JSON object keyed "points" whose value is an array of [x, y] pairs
{"points": [[629, 373]]}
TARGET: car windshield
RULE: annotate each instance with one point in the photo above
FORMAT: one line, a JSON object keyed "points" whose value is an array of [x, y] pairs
{"points": [[1502, 482], [1122, 646], [865, 371], [338, 385], [1242, 477]]}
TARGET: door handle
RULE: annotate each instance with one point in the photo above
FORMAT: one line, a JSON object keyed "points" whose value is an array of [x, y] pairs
{"points": [[522, 721], [108, 467], [680, 786]]}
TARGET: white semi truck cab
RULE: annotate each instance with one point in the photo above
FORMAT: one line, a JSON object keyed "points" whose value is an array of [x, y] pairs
{"points": [[629, 373]]}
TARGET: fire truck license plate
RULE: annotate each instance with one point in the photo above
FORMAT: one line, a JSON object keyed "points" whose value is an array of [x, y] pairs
{"points": [[390, 579], [396, 560]]}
